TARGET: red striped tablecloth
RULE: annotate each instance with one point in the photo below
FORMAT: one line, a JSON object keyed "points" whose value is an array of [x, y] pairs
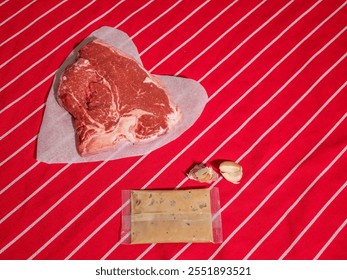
{"points": [[275, 74]]}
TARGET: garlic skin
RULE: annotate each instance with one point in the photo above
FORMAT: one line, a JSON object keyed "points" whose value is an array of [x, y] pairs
{"points": [[231, 171], [202, 174]]}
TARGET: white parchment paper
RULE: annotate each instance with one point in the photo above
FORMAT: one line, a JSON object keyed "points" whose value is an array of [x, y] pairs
{"points": [[56, 139]]}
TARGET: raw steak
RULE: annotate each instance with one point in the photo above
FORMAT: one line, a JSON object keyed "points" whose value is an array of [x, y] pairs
{"points": [[112, 98]]}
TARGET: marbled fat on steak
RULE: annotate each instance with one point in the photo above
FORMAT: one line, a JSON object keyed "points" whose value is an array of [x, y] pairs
{"points": [[111, 98]]}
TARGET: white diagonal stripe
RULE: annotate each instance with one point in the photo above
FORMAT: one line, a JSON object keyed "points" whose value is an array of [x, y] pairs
{"points": [[67, 194], [16, 13], [34, 165], [246, 40], [174, 27], [27, 93], [2, 3], [141, 8], [156, 19], [263, 50], [288, 54], [61, 44], [263, 135], [134, 13], [196, 34], [331, 239], [184, 180], [118, 211], [32, 23], [231, 235], [18, 178], [219, 38], [85, 209], [52, 207], [121, 241], [292, 107], [19, 150], [302, 97], [37, 40], [97, 230], [287, 112], [52, 74], [296, 202], [22, 121], [295, 48], [326, 205], [34, 193]]}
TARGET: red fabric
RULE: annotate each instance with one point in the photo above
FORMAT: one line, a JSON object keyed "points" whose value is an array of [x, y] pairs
{"points": [[275, 73]]}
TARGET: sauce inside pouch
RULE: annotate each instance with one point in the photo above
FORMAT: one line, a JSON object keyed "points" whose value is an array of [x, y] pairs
{"points": [[170, 216]]}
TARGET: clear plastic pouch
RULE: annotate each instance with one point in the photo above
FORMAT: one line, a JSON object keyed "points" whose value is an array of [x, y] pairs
{"points": [[171, 216]]}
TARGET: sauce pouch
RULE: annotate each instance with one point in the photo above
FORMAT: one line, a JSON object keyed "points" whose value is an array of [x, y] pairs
{"points": [[171, 216]]}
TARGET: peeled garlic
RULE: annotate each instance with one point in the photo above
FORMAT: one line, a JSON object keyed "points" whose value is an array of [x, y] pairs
{"points": [[231, 171], [202, 173]]}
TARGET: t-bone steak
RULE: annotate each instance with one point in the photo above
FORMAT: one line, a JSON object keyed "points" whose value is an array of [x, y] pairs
{"points": [[112, 98]]}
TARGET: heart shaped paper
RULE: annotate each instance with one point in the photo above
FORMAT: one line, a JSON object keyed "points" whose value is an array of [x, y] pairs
{"points": [[56, 139]]}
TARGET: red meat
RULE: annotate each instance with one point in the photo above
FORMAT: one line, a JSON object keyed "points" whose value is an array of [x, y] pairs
{"points": [[112, 98]]}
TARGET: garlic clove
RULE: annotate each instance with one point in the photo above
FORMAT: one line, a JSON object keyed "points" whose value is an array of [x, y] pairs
{"points": [[202, 173], [231, 171]]}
